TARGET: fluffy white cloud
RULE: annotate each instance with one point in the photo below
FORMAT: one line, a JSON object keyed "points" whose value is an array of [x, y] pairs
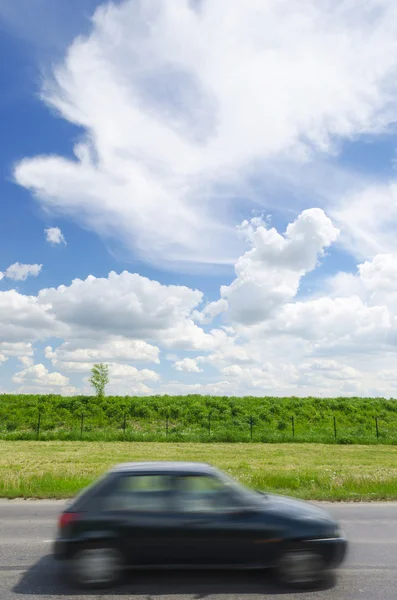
{"points": [[125, 304], [86, 352], [16, 348], [25, 319], [128, 372], [188, 365], [210, 311], [26, 361], [268, 275], [37, 378], [20, 272], [54, 235], [3, 358], [338, 342], [170, 128]]}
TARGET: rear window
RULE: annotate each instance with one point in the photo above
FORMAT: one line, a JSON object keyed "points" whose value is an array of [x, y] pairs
{"points": [[89, 495], [139, 493]]}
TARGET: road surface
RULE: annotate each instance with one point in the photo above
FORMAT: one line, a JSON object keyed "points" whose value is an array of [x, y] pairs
{"points": [[28, 572]]}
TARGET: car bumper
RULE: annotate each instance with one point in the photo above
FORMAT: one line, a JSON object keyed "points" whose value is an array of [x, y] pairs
{"points": [[61, 549], [333, 550]]}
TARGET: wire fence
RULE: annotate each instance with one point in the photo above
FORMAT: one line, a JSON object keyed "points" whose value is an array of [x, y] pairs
{"points": [[251, 428]]}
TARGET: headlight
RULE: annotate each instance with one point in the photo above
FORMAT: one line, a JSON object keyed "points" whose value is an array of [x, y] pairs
{"points": [[337, 531]]}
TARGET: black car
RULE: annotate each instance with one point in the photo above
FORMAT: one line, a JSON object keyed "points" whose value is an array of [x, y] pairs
{"points": [[184, 515]]}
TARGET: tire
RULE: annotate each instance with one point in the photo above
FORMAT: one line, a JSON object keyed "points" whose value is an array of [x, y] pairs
{"points": [[96, 567], [301, 567]]}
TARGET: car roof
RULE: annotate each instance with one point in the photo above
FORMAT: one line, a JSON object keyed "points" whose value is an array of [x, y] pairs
{"points": [[164, 467]]}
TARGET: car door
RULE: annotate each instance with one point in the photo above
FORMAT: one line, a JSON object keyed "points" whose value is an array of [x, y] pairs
{"points": [[217, 526], [138, 511]]}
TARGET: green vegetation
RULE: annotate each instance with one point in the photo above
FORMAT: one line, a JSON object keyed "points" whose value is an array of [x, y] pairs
{"points": [[199, 419], [312, 471], [99, 379]]}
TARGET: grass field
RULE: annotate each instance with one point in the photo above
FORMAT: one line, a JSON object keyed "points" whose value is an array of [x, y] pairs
{"points": [[311, 471], [198, 418]]}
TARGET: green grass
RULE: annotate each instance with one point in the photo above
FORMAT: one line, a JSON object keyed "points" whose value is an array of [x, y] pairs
{"points": [[199, 419], [311, 471]]}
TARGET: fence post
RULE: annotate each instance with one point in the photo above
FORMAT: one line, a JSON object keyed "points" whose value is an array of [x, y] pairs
{"points": [[124, 423], [166, 425], [209, 423], [38, 424], [81, 425], [251, 425], [335, 427], [293, 426], [377, 428]]}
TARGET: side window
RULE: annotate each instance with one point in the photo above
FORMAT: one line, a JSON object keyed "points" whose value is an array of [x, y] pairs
{"points": [[140, 493], [202, 493]]}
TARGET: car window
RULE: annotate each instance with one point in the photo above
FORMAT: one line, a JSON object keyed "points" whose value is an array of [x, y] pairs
{"points": [[140, 493], [201, 493]]}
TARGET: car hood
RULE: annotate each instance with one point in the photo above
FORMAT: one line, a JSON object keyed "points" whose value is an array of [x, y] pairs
{"points": [[285, 506]]}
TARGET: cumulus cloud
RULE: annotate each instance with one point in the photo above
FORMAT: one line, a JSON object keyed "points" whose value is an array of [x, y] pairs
{"points": [[37, 378], [268, 275], [339, 341], [25, 319], [26, 361], [170, 129], [16, 348], [188, 365], [20, 272], [131, 306], [210, 311], [82, 354], [54, 236]]}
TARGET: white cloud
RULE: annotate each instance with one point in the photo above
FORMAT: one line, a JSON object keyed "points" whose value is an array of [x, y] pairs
{"points": [[130, 306], [37, 378], [368, 219], [268, 275], [16, 348], [20, 272], [210, 311], [27, 361], [25, 319], [128, 372], [54, 235], [171, 128], [339, 341], [3, 358], [188, 365], [82, 354]]}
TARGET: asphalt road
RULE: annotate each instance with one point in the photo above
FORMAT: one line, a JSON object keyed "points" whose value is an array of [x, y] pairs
{"points": [[28, 572]]}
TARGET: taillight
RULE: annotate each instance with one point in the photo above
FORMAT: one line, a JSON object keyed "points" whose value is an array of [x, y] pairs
{"points": [[67, 518]]}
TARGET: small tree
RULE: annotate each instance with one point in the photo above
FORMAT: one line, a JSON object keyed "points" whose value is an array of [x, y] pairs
{"points": [[99, 378]]}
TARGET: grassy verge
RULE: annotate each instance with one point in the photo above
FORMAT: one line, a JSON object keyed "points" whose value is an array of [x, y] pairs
{"points": [[311, 471]]}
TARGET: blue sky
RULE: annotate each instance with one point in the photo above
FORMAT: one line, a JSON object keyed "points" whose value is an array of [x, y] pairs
{"points": [[237, 176]]}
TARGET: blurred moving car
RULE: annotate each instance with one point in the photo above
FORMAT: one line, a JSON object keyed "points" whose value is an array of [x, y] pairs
{"points": [[184, 515]]}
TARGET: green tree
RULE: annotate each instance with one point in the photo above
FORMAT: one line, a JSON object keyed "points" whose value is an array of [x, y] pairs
{"points": [[99, 378]]}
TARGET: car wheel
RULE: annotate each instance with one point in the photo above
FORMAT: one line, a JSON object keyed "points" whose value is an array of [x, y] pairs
{"points": [[96, 566], [301, 566]]}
